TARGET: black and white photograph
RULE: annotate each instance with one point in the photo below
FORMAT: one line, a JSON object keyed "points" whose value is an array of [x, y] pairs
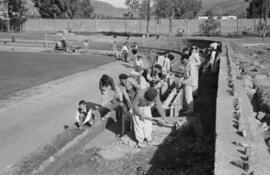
{"points": [[134, 87]]}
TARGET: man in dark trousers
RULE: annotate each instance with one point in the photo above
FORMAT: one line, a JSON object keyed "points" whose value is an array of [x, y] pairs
{"points": [[83, 115]]}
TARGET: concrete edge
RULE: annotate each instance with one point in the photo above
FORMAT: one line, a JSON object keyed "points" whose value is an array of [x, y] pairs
{"points": [[224, 150], [16, 169], [259, 155]]}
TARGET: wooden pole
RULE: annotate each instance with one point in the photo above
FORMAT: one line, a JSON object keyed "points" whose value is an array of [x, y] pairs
{"points": [[266, 15], [8, 20]]}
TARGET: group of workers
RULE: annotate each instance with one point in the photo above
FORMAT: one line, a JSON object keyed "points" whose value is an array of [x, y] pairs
{"points": [[139, 91], [63, 45]]}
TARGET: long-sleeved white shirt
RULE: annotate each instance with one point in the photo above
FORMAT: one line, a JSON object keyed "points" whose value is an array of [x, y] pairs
{"points": [[87, 119], [161, 60], [125, 49], [139, 63], [195, 58], [166, 66], [190, 74]]}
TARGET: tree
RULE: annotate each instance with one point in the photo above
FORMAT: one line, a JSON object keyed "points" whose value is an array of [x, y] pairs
{"points": [[165, 9], [16, 13], [128, 15], [176, 9], [49, 9], [259, 9], [187, 8], [86, 9], [144, 9], [64, 8], [215, 11]]}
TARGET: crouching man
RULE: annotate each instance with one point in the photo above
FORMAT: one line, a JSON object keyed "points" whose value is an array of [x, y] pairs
{"points": [[142, 104], [83, 115]]}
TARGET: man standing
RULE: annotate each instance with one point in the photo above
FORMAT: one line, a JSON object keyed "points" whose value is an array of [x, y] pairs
{"points": [[166, 67], [138, 61], [128, 86], [189, 83], [195, 58], [115, 52], [107, 89], [125, 51], [213, 56], [142, 110], [161, 59]]}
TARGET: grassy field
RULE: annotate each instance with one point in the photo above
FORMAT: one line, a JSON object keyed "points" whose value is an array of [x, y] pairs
{"points": [[19, 71]]}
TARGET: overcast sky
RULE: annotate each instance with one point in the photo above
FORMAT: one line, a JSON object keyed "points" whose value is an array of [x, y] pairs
{"points": [[116, 3]]}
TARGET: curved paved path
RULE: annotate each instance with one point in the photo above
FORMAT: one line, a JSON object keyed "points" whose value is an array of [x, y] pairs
{"points": [[36, 119]]}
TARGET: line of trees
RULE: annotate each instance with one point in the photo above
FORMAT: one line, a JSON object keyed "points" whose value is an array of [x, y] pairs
{"points": [[259, 9], [63, 9], [169, 9]]}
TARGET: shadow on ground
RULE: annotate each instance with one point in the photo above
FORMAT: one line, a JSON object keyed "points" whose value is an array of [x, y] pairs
{"points": [[182, 153]]}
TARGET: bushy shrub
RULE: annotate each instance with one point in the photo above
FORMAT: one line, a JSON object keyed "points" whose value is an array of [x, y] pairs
{"points": [[210, 27]]}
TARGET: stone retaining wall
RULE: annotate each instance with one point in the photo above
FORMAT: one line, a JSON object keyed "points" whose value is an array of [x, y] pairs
{"points": [[240, 147]]}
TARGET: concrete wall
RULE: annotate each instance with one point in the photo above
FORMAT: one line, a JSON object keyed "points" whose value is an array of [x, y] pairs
{"points": [[136, 26]]}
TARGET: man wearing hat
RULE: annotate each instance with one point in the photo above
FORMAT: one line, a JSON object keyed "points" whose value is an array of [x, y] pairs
{"points": [[142, 104]]}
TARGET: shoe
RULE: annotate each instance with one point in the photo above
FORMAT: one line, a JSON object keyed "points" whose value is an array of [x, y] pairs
{"points": [[141, 145], [149, 142], [188, 112]]}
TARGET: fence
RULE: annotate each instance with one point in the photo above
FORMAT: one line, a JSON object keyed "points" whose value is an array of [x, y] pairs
{"points": [[191, 27]]}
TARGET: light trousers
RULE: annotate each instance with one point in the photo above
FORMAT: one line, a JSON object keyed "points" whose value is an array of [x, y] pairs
{"points": [[188, 91], [143, 128], [196, 82]]}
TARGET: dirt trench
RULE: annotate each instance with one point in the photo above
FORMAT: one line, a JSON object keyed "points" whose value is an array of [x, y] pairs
{"points": [[179, 153]]}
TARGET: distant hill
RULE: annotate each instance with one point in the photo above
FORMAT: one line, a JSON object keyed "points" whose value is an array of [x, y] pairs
{"points": [[106, 9], [230, 7]]}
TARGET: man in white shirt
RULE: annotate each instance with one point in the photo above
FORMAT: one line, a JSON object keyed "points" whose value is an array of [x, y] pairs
{"points": [[166, 64], [161, 60], [189, 83], [138, 61], [212, 61], [195, 58], [137, 75], [125, 52], [83, 115]]}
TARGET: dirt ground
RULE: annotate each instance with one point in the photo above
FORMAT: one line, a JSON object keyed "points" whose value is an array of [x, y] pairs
{"points": [[172, 153], [178, 154]]}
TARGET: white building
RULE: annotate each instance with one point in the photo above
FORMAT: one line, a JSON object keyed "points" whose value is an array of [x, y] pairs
{"points": [[228, 17], [203, 17]]}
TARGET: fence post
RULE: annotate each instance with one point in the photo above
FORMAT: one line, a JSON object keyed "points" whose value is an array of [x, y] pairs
{"points": [[237, 26], [125, 26], [82, 28], [220, 27], [255, 23], [187, 26], [96, 25], [46, 41], [155, 26]]}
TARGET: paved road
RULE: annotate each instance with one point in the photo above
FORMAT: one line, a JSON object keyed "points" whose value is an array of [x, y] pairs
{"points": [[36, 119], [20, 70]]}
